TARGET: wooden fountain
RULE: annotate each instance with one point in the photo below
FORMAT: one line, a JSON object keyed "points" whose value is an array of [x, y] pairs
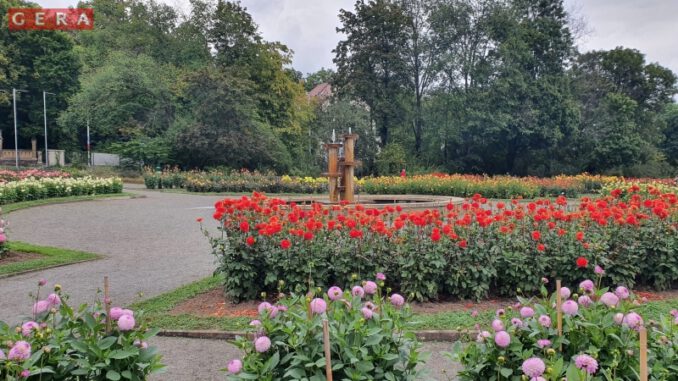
{"points": [[340, 170]]}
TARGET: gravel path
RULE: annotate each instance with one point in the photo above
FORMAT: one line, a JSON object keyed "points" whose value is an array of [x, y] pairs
{"points": [[199, 359], [151, 245]]}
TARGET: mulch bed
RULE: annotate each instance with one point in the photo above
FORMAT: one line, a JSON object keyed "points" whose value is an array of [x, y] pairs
{"points": [[214, 304], [18, 256]]}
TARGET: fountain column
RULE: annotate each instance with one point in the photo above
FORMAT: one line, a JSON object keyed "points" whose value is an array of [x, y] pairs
{"points": [[332, 170], [349, 167]]}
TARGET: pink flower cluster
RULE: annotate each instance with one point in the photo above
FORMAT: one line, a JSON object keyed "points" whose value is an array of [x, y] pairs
{"points": [[124, 317]]}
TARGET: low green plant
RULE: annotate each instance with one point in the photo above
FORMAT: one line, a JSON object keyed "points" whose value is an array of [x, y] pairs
{"points": [[64, 343], [600, 340], [370, 338]]}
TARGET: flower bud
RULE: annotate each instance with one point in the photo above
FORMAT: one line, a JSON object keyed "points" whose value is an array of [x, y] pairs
{"points": [[501, 359], [354, 276], [551, 352], [263, 295], [57, 287]]}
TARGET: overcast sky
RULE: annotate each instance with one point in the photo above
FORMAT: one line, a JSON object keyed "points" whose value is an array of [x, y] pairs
{"points": [[308, 26]]}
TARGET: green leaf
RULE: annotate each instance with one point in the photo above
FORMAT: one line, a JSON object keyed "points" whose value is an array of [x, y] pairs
{"points": [[112, 375]]}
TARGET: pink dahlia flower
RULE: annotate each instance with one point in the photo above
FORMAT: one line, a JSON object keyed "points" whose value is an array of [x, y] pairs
{"points": [[262, 344], [370, 287], [618, 318], [545, 321], [570, 307], [397, 300], [633, 320], [381, 276], [543, 343], [533, 367], [502, 339], [126, 323], [20, 351], [234, 366], [565, 292], [585, 301], [587, 363], [526, 312], [358, 291], [41, 307], [622, 292], [587, 286], [28, 327], [54, 300], [609, 299], [335, 293], [367, 313], [266, 308], [318, 306], [497, 325], [517, 323]]}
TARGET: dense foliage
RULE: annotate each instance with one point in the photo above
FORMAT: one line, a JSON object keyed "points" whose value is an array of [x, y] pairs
{"points": [[464, 86], [65, 343], [470, 250], [47, 187], [369, 335], [599, 342]]}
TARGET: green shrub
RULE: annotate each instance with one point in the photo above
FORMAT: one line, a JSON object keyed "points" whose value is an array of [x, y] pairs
{"points": [[370, 338], [600, 325], [63, 343]]}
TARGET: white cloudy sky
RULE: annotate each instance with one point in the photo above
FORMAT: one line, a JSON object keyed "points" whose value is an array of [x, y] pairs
{"points": [[308, 26]]}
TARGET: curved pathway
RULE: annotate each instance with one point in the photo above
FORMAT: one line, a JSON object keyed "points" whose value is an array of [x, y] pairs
{"points": [[150, 245]]}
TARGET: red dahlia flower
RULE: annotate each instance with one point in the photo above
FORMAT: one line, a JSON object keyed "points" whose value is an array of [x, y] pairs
{"points": [[582, 262]]}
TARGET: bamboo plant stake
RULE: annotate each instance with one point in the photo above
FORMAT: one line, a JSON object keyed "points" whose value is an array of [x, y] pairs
{"points": [[328, 354], [559, 309], [107, 304], [643, 354]]}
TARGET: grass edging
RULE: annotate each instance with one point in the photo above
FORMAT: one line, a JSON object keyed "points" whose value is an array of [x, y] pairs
{"points": [[13, 207], [51, 257]]}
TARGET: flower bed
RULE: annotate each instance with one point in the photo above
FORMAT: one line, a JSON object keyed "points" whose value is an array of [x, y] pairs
{"points": [[233, 181], [47, 187], [500, 186], [12, 175], [600, 340], [461, 251], [63, 343], [369, 337]]}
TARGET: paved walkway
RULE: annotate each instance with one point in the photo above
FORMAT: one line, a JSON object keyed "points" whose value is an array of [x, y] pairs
{"points": [[151, 245]]}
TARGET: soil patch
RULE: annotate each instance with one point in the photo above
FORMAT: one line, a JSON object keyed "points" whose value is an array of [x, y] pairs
{"points": [[18, 256], [213, 304]]}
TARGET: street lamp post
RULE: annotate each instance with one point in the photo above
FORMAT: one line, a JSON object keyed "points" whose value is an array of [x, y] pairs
{"points": [[16, 136], [44, 103]]}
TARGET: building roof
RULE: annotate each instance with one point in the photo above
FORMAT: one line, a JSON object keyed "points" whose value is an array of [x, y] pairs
{"points": [[321, 91]]}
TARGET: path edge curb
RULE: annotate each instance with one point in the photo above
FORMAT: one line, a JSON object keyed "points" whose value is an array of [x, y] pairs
{"points": [[423, 335]]}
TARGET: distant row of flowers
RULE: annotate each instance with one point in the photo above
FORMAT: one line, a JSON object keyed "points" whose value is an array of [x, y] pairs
{"points": [[7, 175], [462, 250], [48, 187], [431, 184], [233, 181], [505, 186]]}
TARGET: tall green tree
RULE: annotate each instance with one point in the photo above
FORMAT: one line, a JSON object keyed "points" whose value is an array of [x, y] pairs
{"points": [[225, 128], [370, 60], [34, 61]]}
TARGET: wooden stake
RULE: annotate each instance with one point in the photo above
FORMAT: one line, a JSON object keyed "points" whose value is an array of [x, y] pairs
{"points": [[559, 309], [328, 354], [107, 304], [643, 354]]}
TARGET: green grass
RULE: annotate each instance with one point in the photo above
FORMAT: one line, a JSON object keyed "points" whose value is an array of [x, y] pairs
{"points": [[50, 257], [60, 200], [156, 313]]}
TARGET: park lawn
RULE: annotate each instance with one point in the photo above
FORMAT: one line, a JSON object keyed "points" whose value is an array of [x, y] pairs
{"points": [[157, 312], [49, 257], [61, 200]]}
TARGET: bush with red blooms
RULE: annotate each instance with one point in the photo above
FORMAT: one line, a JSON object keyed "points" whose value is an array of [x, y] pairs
{"points": [[462, 251]]}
